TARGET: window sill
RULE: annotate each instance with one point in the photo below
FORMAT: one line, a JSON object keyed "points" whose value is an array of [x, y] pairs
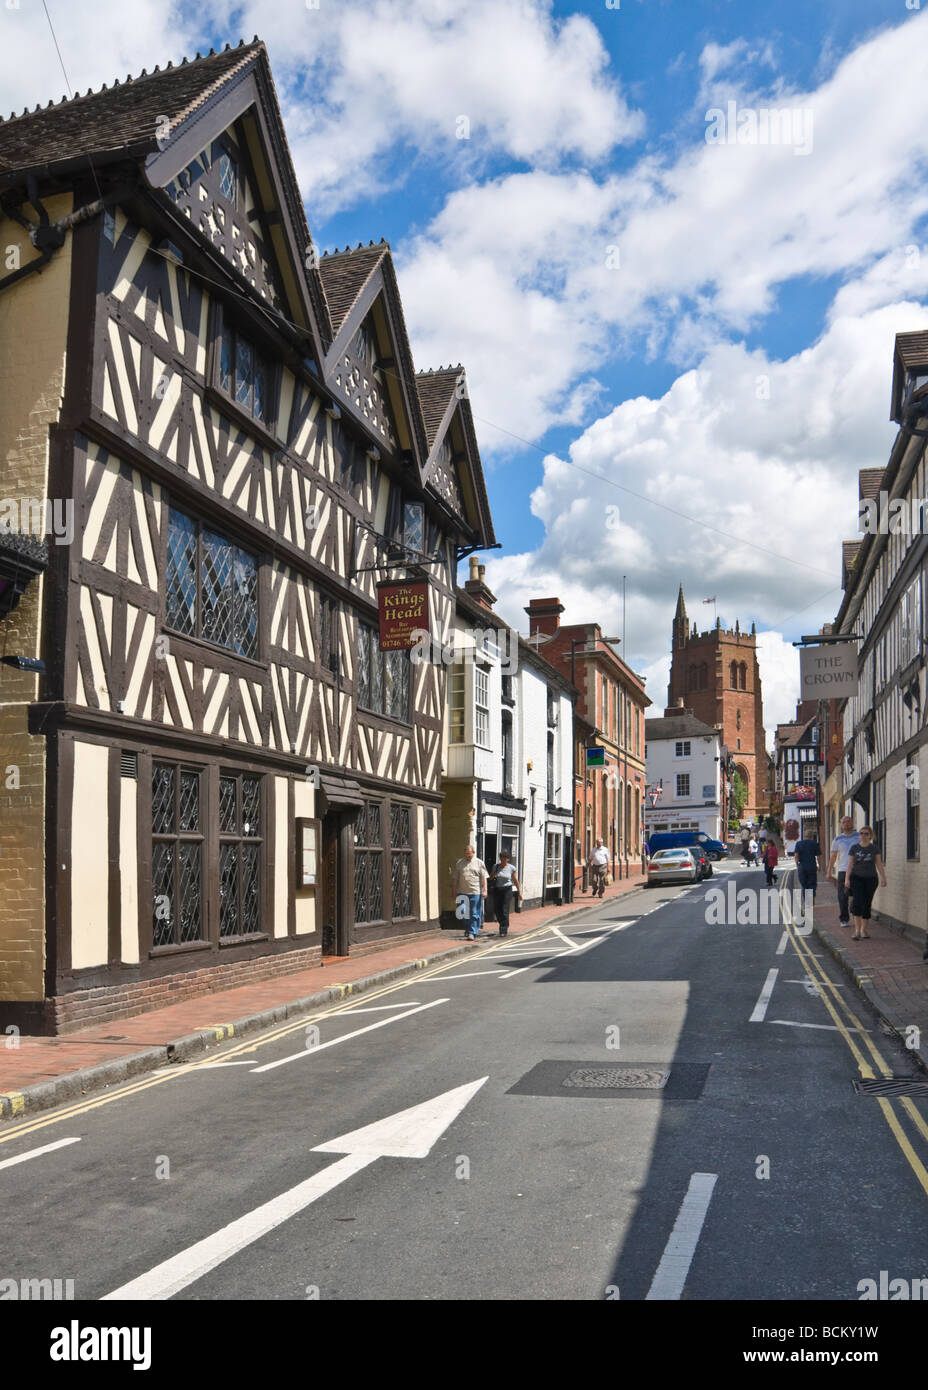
{"points": [[262, 432], [181, 949], [203, 644], [389, 720], [225, 941]]}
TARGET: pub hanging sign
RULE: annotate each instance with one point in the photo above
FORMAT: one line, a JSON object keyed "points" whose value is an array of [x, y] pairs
{"points": [[404, 614]]}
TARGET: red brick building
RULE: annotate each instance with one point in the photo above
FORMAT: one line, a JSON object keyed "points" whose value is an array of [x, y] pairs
{"points": [[716, 675], [609, 714]]}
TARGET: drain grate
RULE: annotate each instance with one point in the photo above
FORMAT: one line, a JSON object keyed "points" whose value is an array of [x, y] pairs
{"points": [[663, 1081], [605, 1078], [892, 1086]]}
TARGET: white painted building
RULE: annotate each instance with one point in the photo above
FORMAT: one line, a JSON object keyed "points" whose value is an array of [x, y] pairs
{"points": [[685, 757], [507, 754]]}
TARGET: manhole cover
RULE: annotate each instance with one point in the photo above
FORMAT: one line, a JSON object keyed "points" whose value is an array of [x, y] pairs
{"points": [[602, 1078], [589, 1080], [892, 1086]]}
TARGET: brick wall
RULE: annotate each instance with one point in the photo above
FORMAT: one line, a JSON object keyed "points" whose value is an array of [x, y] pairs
{"points": [[719, 704], [33, 325], [86, 1007]]}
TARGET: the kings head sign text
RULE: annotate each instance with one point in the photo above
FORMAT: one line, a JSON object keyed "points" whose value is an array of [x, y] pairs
{"points": [[404, 614]]}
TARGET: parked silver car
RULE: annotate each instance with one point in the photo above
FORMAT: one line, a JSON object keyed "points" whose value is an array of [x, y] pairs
{"points": [[673, 866]]}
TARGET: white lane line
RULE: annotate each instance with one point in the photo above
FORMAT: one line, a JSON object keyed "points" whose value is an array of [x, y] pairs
{"points": [[320, 1047], [373, 1008], [468, 975], [573, 950], [566, 939], [760, 1008], [670, 1277], [784, 942], [836, 984], [520, 946], [35, 1153], [829, 1027], [211, 1066]]}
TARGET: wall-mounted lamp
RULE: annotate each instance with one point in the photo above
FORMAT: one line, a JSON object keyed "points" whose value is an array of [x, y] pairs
{"points": [[333, 411]]}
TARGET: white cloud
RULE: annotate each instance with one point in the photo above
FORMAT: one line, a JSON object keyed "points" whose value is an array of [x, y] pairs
{"points": [[518, 270], [775, 470], [360, 79]]}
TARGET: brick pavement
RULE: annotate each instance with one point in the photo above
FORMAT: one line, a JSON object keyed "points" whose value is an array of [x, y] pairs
{"points": [[888, 968], [141, 1043]]}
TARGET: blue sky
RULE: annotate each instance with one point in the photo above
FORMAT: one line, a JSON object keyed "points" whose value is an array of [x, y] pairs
{"points": [[648, 321]]}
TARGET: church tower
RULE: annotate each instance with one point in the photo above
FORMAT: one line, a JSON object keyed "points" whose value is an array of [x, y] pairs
{"points": [[716, 675]]}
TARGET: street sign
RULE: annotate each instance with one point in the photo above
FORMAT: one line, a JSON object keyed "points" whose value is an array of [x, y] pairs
{"points": [[828, 671], [596, 757]]}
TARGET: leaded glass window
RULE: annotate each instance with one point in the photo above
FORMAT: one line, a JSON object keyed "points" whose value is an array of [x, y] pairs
{"points": [[228, 177], [243, 374], [239, 855], [181, 581], [328, 634], [383, 677], [401, 860], [368, 864], [177, 855], [211, 587], [414, 527]]}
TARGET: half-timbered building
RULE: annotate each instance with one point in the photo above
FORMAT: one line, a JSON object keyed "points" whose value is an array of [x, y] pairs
{"points": [[219, 771], [885, 578]]}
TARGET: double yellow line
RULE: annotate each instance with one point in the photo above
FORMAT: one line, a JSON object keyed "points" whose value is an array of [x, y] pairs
{"points": [[830, 995]]}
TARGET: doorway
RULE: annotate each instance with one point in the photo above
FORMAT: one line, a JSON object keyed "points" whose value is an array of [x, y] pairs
{"points": [[332, 945]]}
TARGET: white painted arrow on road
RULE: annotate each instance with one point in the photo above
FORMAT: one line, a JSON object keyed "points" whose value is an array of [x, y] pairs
{"points": [[407, 1134]]}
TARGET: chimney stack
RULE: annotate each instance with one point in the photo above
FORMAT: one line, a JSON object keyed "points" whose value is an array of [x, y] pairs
{"points": [[544, 616], [476, 586]]}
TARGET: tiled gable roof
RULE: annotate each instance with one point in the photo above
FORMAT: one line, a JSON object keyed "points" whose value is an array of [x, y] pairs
{"points": [[435, 391], [869, 482], [849, 552], [676, 726], [344, 275], [122, 116]]}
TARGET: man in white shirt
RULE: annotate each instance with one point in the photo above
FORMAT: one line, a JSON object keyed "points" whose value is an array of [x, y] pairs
{"points": [[840, 849], [599, 867]]}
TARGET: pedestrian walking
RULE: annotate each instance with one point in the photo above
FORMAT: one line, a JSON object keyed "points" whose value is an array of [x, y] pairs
{"points": [[752, 852], [865, 867], [505, 883], [771, 858], [469, 877], [807, 854], [840, 847], [599, 866]]}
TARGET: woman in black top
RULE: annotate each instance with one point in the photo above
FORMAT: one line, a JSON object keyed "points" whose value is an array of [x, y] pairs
{"points": [[864, 867], [504, 881]]}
